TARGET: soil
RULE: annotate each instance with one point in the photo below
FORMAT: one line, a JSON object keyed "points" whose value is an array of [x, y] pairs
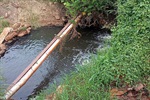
{"points": [[34, 12]]}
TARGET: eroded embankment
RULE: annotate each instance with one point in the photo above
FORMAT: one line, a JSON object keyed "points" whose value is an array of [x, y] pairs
{"points": [[34, 12], [9, 34], [17, 17]]}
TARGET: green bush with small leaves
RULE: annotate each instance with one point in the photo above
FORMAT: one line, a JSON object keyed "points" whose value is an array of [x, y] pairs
{"points": [[75, 7]]}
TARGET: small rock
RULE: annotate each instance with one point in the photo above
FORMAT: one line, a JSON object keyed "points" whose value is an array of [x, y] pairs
{"points": [[55, 2], [64, 18], [139, 87], [130, 89], [116, 92], [2, 52], [27, 25], [5, 33], [57, 17], [51, 3], [22, 33], [2, 47], [16, 26], [130, 94], [10, 41], [6, 15], [28, 30], [10, 36]]}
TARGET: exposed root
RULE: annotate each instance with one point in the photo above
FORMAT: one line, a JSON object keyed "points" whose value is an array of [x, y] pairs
{"points": [[75, 34], [97, 19]]}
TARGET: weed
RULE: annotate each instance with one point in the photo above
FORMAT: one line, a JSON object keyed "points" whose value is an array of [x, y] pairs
{"points": [[33, 19], [75, 7], [3, 24]]}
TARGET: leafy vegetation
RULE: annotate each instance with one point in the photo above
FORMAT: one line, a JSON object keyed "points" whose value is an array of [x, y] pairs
{"points": [[75, 7], [3, 24], [125, 63]]}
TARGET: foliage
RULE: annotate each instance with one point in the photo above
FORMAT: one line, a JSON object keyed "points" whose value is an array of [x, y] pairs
{"points": [[75, 7], [131, 47], [3, 23], [126, 62]]}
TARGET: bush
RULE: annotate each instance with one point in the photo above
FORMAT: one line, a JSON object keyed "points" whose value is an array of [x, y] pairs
{"points": [[75, 7]]}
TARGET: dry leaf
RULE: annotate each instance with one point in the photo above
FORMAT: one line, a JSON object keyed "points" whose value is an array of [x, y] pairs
{"points": [[116, 92], [139, 87]]}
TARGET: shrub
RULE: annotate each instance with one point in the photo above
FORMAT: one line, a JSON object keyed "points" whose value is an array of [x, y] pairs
{"points": [[131, 47], [75, 7]]}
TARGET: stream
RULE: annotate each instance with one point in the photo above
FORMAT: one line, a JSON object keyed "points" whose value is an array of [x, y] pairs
{"points": [[74, 52]]}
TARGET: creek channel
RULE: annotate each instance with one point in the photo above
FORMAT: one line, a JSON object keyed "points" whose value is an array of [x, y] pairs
{"points": [[75, 52]]}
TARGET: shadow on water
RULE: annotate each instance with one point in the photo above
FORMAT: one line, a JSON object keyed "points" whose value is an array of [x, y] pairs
{"points": [[23, 51]]}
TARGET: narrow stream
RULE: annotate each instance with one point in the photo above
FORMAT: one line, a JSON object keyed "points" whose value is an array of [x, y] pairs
{"points": [[20, 54]]}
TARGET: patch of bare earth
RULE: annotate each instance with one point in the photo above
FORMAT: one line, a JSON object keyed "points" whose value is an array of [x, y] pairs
{"points": [[35, 12]]}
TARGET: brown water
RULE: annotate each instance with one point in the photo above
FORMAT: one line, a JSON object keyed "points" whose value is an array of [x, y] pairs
{"points": [[21, 53]]}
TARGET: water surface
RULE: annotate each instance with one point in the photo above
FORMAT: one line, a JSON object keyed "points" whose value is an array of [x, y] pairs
{"points": [[20, 54]]}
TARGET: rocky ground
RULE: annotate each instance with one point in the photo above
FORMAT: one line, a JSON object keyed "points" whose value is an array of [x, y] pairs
{"points": [[34, 12], [22, 14], [10, 33]]}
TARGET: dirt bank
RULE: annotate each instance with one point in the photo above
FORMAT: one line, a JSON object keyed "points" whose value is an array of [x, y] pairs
{"points": [[35, 12]]}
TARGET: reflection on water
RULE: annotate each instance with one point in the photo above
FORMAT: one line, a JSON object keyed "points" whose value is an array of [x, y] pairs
{"points": [[23, 51]]}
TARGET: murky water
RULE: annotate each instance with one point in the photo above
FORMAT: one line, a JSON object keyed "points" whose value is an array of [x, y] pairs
{"points": [[23, 51]]}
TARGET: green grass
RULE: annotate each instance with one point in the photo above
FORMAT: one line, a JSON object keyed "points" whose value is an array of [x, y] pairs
{"points": [[126, 62], [3, 24], [2, 86]]}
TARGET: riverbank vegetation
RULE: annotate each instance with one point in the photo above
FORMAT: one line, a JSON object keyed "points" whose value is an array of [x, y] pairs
{"points": [[98, 12], [75, 7], [3, 24], [120, 71]]}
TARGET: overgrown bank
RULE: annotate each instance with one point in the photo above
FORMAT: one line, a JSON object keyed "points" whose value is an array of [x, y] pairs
{"points": [[123, 65]]}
